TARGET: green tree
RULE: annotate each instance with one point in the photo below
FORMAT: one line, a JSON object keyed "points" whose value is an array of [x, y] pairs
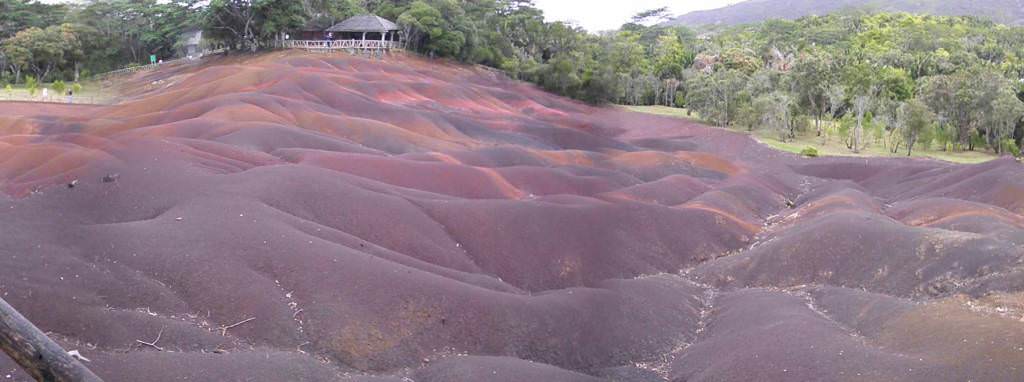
{"points": [[277, 17], [774, 111], [652, 16], [18, 15], [560, 75], [917, 119], [41, 50], [718, 96], [323, 14], [894, 83], [740, 60], [427, 29], [813, 75], [115, 32], [1006, 112], [861, 109], [234, 22], [963, 99], [17, 54], [670, 56]]}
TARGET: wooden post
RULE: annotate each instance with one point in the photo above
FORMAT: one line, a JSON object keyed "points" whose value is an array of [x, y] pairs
{"points": [[41, 358], [362, 46]]}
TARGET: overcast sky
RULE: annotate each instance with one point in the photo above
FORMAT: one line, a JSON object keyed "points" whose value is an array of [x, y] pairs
{"points": [[599, 15]]}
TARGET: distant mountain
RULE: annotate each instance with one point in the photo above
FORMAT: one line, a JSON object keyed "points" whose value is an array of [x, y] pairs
{"points": [[752, 11]]}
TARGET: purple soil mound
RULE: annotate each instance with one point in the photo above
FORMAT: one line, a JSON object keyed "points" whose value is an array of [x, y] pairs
{"points": [[318, 218]]}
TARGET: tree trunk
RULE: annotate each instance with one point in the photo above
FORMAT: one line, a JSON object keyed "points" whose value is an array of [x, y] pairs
{"points": [[861, 108], [963, 137], [857, 131], [45, 73], [1018, 132], [817, 115], [36, 353], [817, 122]]}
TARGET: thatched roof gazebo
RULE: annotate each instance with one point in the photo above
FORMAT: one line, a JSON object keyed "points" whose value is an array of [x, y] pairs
{"points": [[364, 27], [369, 34]]}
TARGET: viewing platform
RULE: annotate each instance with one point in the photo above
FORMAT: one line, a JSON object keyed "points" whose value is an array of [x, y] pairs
{"points": [[371, 47], [360, 35]]}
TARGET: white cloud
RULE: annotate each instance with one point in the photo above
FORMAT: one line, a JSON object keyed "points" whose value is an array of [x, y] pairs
{"points": [[600, 15]]}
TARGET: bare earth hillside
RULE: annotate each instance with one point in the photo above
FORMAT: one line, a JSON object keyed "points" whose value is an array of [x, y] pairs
{"points": [[322, 218]]}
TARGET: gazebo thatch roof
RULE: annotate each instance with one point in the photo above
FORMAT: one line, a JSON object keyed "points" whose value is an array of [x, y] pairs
{"points": [[364, 23]]}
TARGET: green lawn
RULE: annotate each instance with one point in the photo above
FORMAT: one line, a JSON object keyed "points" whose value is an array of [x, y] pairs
{"points": [[833, 147], [91, 93], [663, 110]]}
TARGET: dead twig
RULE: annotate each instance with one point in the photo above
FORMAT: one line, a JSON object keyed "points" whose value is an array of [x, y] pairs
{"points": [[78, 355], [296, 314], [224, 329], [153, 344]]}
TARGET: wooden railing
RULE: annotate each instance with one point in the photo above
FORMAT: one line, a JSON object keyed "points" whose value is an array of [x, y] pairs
{"points": [[90, 97], [325, 45], [134, 69]]}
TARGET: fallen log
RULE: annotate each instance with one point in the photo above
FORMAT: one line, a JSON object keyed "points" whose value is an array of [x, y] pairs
{"points": [[38, 355]]}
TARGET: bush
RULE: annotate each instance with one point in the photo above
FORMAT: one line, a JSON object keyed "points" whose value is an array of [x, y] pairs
{"points": [[926, 137], [1011, 147], [809, 152], [59, 87], [978, 141], [32, 85], [76, 87], [802, 124], [943, 137], [680, 101], [9, 90]]}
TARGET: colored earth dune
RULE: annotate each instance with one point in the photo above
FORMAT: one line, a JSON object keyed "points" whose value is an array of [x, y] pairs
{"points": [[300, 217]]}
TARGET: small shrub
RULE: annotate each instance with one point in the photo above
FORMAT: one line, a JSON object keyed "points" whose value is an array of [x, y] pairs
{"points": [[76, 87], [926, 137], [943, 137], [978, 141], [680, 102], [10, 91], [32, 85], [1011, 147], [59, 87], [809, 152]]}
